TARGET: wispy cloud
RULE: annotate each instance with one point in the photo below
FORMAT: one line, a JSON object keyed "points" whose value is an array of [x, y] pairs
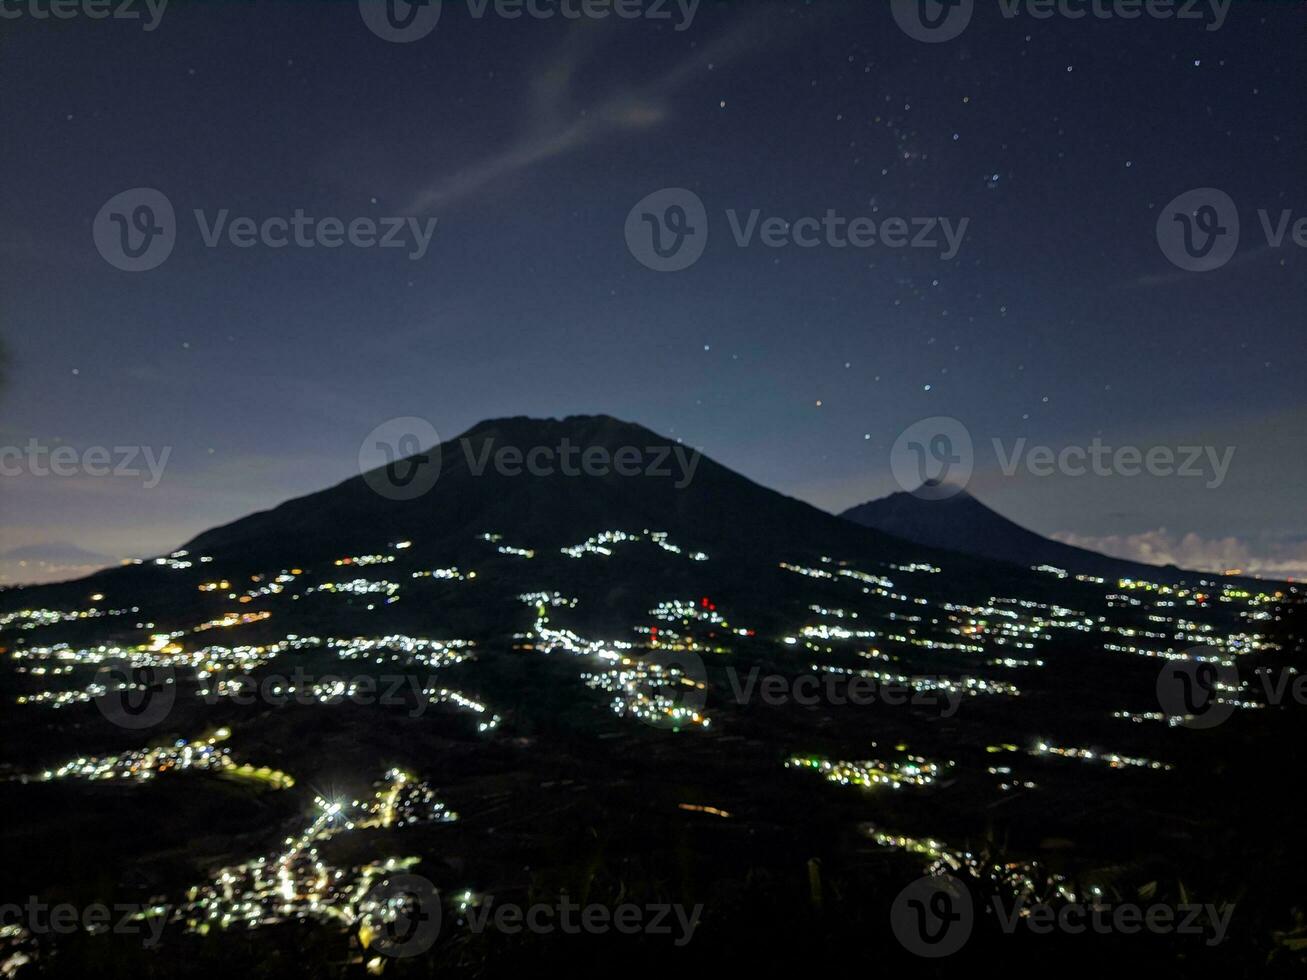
{"points": [[558, 122], [1175, 276]]}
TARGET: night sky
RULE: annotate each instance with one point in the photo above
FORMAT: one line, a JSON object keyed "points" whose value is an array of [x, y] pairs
{"points": [[1059, 320]]}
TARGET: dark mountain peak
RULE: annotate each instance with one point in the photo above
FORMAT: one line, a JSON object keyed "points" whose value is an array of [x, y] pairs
{"points": [[939, 491], [602, 430], [959, 522], [541, 482], [925, 503]]}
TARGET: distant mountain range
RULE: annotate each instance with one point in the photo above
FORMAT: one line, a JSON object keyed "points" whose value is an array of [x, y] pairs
{"points": [[961, 523]]}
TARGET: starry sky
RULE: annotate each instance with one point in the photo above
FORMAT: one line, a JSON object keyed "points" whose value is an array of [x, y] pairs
{"points": [[1059, 321]]}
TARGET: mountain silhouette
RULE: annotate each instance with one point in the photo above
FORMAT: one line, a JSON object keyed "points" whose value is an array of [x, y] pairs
{"points": [[672, 488], [957, 521]]}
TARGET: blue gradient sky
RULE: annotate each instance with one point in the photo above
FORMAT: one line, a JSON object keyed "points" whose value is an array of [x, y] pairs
{"points": [[1059, 321]]}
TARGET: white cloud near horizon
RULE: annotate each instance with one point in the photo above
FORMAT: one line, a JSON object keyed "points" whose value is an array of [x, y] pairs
{"points": [[1280, 560]]}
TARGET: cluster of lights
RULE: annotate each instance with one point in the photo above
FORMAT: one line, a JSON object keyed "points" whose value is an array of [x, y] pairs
{"points": [[401, 800], [230, 620], [685, 610], [296, 883], [359, 586], [446, 574], [413, 649], [142, 764], [876, 585], [1140, 717], [178, 561], [275, 586], [28, 619], [826, 631], [1110, 759], [554, 599], [640, 689], [911, 770], [1014, 663], [600, 544], [1010, 785], [161, 652], [490, 721], [1018, 879], [365, 560]]}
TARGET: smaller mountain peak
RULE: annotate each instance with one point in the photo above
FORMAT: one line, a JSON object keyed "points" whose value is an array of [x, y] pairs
{"points": [[937, 489]]}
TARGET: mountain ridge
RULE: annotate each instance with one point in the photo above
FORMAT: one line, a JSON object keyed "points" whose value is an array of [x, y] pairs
{"points": [[961, 523]]}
